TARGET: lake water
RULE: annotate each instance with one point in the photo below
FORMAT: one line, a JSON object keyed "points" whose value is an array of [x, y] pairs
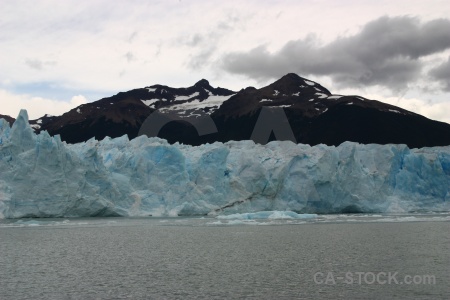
{"points": [[330, 257]]}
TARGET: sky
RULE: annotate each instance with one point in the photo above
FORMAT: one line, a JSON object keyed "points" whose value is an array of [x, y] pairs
{"points": [[56, 55]]}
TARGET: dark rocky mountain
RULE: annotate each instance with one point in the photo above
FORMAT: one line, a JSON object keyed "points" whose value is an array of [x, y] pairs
{"points": [[316, 116], [312, 114], [125, 112]]}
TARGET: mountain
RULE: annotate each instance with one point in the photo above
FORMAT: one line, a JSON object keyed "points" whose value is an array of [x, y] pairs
{"points": [[316, 116], [310, 114], [125, 112]]}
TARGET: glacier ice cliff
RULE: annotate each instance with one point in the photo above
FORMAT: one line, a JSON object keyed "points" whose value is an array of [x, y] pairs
{"points": [[40, 176]]}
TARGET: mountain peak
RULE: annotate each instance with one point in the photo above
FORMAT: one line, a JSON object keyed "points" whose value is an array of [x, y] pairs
{"points": [[202, 83], [292, 76], [292, 83]]}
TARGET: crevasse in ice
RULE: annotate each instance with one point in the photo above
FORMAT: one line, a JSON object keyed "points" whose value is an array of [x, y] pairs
{"points": [[40, 176]]}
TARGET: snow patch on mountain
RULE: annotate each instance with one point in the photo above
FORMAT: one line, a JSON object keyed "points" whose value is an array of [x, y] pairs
{"points": [[181, 98], [213, 102], [286, 105], [321, 95], [335, 97], [151, 102]]}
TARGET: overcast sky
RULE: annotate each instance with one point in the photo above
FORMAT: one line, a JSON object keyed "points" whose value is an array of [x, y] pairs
{"points": [[56, 55]]}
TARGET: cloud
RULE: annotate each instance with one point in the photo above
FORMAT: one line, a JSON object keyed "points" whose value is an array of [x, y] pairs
{"points": [[130, 56], [204, 45], [38, 64], [11, 104], [387, 52], [442, 74], [132, 37]]}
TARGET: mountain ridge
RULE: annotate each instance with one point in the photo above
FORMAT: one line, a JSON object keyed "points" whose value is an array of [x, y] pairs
{"points": [[315, 115]]}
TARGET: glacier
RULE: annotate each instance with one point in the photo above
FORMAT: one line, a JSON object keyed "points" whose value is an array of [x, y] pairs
{"points": [[41, 176]]}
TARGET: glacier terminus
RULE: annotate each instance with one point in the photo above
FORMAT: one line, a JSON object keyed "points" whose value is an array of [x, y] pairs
{"points": [[41, 176]]}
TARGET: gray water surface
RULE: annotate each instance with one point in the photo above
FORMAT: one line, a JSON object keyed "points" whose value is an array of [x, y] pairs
{"points": [[203, 258]]}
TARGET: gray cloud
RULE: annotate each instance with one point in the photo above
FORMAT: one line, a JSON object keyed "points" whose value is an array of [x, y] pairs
{"points": [[38, 64], [194, 40], [204, 45], [130, 56], [132, 37], [200, 59], [386, 52], [442, 74]]}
